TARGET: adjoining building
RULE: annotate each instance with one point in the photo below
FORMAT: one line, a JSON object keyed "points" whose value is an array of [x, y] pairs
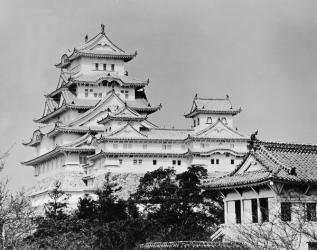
{"points": [[97, 120], [273, 189]]}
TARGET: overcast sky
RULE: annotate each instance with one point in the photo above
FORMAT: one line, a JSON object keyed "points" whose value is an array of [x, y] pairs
{"points": [[262, 53]]}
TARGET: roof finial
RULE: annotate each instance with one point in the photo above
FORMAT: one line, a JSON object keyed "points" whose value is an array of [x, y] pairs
{"points": [[102, 29], [196, 97], [86, 38]]}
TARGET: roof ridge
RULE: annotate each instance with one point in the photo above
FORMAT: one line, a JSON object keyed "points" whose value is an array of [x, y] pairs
{"points": [[288, 146]]}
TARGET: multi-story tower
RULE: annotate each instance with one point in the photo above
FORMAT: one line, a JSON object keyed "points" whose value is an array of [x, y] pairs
{"points": [[96, 121]]}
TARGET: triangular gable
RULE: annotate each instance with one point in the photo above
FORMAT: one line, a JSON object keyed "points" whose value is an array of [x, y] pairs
{"points": [[100, 43], [127, 112], [109, 104], [218, 130], [250, 164], [127, 131], [81, 141]]}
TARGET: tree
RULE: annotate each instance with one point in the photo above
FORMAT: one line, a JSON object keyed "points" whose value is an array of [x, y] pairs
{"points": [[177, 205]]}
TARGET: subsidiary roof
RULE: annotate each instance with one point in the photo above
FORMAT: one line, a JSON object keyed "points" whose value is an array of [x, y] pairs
{"points": [[99, 46], [212, 106], [279, 162]]}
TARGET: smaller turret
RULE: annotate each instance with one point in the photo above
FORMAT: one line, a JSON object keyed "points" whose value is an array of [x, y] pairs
{"points": [[208, 111]]}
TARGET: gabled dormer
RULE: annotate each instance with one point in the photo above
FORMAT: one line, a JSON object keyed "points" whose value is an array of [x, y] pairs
{"points": [[207, 111]]}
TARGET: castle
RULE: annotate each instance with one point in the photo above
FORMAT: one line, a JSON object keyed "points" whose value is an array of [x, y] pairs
{"points": [[97, 121]]}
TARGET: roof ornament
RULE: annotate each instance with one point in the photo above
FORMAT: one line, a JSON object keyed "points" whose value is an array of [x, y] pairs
{"points": [[253, 140], [196, 97], [102, 29], [293, 171], [86, 38]]}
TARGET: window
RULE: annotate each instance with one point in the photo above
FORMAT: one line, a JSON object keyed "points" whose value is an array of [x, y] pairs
{"points": [[209, 120], [82, 159], [91, 90], [135, 162], [217, 161], [144, 146], [125, 146], [311, 211], [237, 205], [86, 90], [164, 146], [194, 123], [86, 94], [115, 145], [202, 145], [112, 67], [254, 208], [95, 95], [174, 162], [264, 208], [126, 96], [130, 145], [120, 161], [232, 161], [100, 94], [96, 66], [212, 161], [169, 146], [154, 162], [198, 121], [286, 211], [140, 162], [104, 66], [179, 162]]}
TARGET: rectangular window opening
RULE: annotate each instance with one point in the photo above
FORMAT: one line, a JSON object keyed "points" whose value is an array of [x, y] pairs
{"points": [[286, 211], [112, 67], [254, 206], [154, 162], [264, 208], [237, 205], [104, 66], [311, 211], [96, 66]]}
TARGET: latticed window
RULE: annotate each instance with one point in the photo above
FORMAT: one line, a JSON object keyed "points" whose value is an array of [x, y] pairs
{"points": [[311, 211], [286, 211]]}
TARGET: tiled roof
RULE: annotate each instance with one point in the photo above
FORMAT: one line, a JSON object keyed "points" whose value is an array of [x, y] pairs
{"points": [[99, 46], [283, 162], [98, 76], [81, 144], [212, 106]]}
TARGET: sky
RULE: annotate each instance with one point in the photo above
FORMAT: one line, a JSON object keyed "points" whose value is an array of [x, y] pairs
{"points": [[262, 53]]}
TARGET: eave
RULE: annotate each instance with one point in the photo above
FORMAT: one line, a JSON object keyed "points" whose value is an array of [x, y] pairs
{"points": [[55, 152], [120, 118], [125, 57], [147, 110], [137, 154], [111, 78], [59, 111], [212, 112], [57, 130]]}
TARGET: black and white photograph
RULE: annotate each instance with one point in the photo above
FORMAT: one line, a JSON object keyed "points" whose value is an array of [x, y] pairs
{"points": [[158, 125]]}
